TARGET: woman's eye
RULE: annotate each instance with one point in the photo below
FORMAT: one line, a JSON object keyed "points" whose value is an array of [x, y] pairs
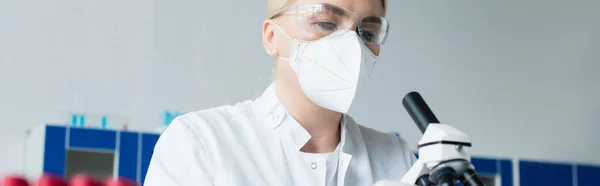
{"points": [[366, 35], [326, 26]]}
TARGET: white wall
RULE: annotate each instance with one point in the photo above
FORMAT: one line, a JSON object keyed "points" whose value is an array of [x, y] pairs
{"points": [[517, 76], [51, 51]]}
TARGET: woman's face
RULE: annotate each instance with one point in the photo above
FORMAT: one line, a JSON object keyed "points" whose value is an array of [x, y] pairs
{"points": [[277, 44]]}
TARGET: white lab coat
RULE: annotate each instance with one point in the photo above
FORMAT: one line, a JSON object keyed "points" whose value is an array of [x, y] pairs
{"points": [[257, 142]]}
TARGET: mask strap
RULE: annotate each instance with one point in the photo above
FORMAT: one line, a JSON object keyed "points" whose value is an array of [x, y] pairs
{"points": [[286, 35]]}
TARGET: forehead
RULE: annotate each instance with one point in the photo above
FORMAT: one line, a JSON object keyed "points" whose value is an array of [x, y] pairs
{"points": [[362, 7]]}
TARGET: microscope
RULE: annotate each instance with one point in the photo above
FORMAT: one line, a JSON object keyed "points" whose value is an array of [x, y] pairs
{"points": [[444, 157]]}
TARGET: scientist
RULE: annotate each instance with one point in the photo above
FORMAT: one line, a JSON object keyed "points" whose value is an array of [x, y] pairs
{"points": [[296, 132]]}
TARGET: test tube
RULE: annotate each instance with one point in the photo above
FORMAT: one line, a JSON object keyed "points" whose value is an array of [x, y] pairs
{"points": [[12, 180], [83, 180], [50, 180], [120, 182]]}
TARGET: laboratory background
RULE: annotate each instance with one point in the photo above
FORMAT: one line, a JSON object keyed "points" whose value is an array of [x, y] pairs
{"points": [[87, 86]]}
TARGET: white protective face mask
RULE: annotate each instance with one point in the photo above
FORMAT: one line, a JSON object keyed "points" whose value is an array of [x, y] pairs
{"points": [[331, 69]]}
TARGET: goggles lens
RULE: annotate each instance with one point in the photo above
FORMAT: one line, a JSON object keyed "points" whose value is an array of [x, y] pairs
{"points": [[324, 19]]}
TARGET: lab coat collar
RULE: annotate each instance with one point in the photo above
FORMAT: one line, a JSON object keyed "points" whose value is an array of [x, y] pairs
{"points": [[272, 113]]}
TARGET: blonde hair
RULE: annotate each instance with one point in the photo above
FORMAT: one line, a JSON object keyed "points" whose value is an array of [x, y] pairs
{"points": [[276, 6]]}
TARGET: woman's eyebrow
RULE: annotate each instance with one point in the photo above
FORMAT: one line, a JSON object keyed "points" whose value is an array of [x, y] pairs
{"points": [[371, 19], [334, 9]]}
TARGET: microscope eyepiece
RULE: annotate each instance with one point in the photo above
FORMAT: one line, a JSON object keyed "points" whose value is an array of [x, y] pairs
{"points": [[418, 110]]}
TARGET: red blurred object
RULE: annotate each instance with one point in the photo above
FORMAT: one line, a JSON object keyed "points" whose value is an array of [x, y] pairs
{"points": [[83, 180], [50, 180], [14, 181], [120, 182]]}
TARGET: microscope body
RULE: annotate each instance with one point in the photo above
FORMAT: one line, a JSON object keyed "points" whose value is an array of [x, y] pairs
{"points": [[443, 158]]}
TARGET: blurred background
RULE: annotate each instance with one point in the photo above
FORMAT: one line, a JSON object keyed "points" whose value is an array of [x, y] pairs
{"points": [[520, 77]]}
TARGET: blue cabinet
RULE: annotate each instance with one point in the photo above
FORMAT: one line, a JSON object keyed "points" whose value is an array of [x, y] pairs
{"points": [[587, 175], [54, 150], [94, 139], [132, 150], [128, 155], [545, 173], [148, 142]]}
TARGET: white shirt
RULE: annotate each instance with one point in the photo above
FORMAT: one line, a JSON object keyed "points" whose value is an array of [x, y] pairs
{"points": [[257, 142], [327, 162]]}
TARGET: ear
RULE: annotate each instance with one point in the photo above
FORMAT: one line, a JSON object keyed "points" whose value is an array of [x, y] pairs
{"points": [[268, 38]]}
